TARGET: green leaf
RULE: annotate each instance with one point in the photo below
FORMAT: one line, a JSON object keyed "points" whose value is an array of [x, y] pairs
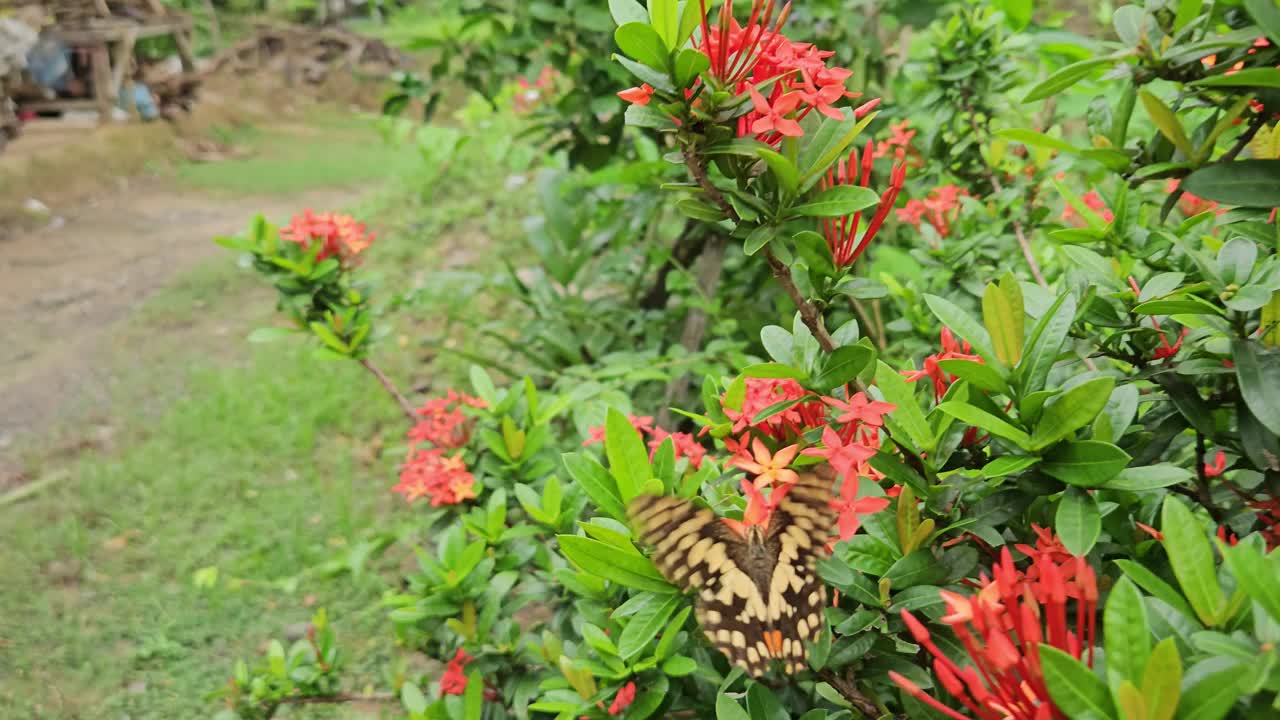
{"points": [[819, 149], [1162, 590], [1085, 463], [643, 43], [1071, 411], [1077, 692], [966, 413], [1003, 315], [1248, 183], [1210, 689], [473, 696], [690, 18], [679, 666], [1065, 78], [664, 16], [1249, 77], [1167, 122], [689, 65], [1037, 139], [1008, 465], [1185, 305], [1131, 23], [981, 375], [758, 239], [645, 116], [1045, 344], [783, 169], [773, 370], [1257, 573], [329, 338], [1017, 13], [1078, 521], [963, 325], [597, 483], [907, 413], [1191, 557], [270, 334], [697, 209], [838, 201], [1267, 14], [645, 625], [413, 699], [843, 365], [627, 11], [1259, 375], [728, 709], [1187, 11], [605, 561], [1162, 681], [763, 705], [1126, 639], [628, 459], [1149, 477]]}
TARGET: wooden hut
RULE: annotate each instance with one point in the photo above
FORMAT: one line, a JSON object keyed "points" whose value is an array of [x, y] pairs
{"points": [[108, 31]]}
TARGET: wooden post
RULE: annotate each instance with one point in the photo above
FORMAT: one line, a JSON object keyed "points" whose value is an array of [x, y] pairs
{"points": [[182, 38], [103, 92], [121, 77]]}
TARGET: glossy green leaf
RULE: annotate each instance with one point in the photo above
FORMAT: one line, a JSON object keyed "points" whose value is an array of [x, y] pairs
{"points": [[728, 709], [689, 65], [605, 561], [1077, 692], [1008, 465], [1210, 689], [1066, 77], [962, 324], [599, 485], [627, 11], [1191, 557], [977, 417], [1004, 322], [759, 238], [1187, 11], [628, 458], [1148, 477], [1249, 77], [837, 201], [1045, 344], [1257, 573], [690, 18], [1267, 14], [1160, 589], [1127, 641], [1078, 521], [645, 625], [980, 375], [1258, 372], [473, 696], [1071, 411], [1167, 122], [783, 169], [907, 414], [412, 698], [1162, 681], [843, 365], [642, 43], [1248, 183], [1085, 463], [664, 16]]}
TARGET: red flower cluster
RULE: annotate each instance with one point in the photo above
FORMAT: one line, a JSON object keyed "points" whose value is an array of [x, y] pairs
{"points": [[443, 424], [626, 695], [1165, 351], [1189, 204], [842, 233], [1001, 628], [939, 209], [1094, 202], [454, 680], [531, 94], [686, 445], [428, 473], [899, 142], [338, 235], [763, 392], [951, 350]]}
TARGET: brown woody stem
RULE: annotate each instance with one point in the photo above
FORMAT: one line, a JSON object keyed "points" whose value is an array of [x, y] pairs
{"points": [[849, 691], [405, 406]]}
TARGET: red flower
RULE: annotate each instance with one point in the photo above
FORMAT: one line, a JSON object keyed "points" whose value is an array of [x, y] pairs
{"points": [[685, 445], [776, 116], [637, 95], [769, 468], [443, 424], [852, 508], [951, 350], [939, 209], [428, 473], [860, 410], [1150, 531], [1094, 202], [454, 680], [1001, 627], [642, 424], [1216, 468], [759, 508], [338, 235], [762, 393], [842, 233], [900, 139], [846, 457], [626, 695]]}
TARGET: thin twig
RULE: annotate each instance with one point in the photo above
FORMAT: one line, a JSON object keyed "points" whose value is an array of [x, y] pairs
{"points": [[405, 406], [872, 328], [849, 691], [338, 699]]}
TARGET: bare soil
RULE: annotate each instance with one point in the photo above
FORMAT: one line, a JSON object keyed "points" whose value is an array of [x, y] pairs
{"points": [[66, 288]]}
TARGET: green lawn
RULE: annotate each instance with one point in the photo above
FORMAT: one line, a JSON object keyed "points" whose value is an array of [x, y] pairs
{"points": [[260, 461]]}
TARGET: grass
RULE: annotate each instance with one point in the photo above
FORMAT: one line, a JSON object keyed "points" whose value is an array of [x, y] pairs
{"points": [[327, 151], [263, 462]]}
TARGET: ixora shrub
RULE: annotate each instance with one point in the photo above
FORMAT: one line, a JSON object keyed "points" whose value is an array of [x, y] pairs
{"points": [[1016, 454]]}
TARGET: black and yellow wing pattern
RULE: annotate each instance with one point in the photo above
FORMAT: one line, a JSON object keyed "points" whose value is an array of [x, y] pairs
{"points": [[759, 596]]}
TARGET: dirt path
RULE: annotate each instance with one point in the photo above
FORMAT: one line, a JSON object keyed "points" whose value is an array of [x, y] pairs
{"points": [[64, 289]]}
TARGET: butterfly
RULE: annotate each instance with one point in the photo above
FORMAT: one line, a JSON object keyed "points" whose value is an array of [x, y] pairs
{"points": [[759, 597]]}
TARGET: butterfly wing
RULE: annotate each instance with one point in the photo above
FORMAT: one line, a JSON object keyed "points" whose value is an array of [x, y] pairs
{"points": [[798, 532], [693, 548]]}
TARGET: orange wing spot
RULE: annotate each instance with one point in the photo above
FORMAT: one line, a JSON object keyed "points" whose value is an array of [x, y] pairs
{"points": [[773, 641]]}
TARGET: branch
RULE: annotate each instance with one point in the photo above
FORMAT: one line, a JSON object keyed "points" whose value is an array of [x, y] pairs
{"points": [[405, 406], [849, 691], [338, 699], [698, 169]]}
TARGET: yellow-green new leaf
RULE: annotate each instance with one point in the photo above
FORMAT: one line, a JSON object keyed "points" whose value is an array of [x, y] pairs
{"points": [[1162, 681], [1168, 123], [1004, 321]]}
